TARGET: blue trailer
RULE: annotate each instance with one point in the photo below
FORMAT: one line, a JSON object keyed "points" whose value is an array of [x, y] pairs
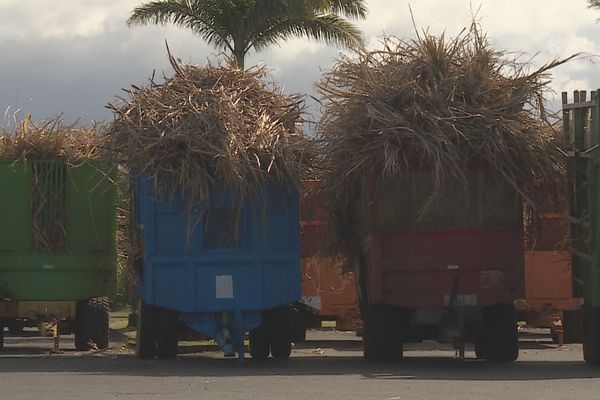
{"points": [[221, 271]]}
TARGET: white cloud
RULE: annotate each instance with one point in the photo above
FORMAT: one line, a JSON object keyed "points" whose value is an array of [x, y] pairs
{"points": [[59, 55]]}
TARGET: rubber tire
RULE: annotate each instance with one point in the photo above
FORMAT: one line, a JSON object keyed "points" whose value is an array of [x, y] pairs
{"points": [[92, 323], [147, 331], [15, 327], [500, 336], [168, 334], [480, 347], [382, 340], [573, 326], [591, 335], [259, 343], [279, 323], [299, 334], [299, 323]]}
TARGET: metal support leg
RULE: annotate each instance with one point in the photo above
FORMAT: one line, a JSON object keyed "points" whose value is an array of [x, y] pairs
{"points": [[558, 331], [239, 333], [228, 345], [56, 335]]}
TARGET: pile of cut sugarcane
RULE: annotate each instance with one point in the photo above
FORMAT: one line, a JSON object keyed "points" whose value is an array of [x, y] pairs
{"points": [[434, 103], [212, 126]]}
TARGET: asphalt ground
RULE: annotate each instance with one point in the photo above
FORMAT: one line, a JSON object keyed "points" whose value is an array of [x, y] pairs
{"points": [[328, 366]]}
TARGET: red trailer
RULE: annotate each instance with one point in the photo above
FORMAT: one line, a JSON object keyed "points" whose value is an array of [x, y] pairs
{"points": [[447, 268]]}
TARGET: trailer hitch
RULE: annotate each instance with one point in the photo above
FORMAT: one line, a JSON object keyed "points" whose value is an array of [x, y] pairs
{"points": [[47, 324]]}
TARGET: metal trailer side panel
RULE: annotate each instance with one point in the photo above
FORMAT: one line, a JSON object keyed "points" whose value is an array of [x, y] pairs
{"points": [[582, 127], [420, 269], [479, 253], [85, 267], [324, 284], [548, 280], [185, 271]]}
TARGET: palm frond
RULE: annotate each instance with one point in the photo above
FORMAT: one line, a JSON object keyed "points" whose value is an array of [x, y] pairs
{"points": [[203, 17], [356, 9], [330, 29]]}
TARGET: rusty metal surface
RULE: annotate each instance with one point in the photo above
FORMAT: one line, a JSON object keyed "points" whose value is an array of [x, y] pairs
{"points": [[418, 269], [548, 280], [321, 270], [323, 277], [548, 273]]}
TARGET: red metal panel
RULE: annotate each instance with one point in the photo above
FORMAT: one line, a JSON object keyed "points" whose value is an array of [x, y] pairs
{"points": [[418, 269], [312, 204], [315, 240]]}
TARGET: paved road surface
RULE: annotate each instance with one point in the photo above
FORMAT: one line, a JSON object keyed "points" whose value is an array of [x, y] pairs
{"points": [[329, 366]]}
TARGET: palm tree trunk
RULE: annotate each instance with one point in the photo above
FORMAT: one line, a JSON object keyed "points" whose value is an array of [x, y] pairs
{"points": [[239, 58]]}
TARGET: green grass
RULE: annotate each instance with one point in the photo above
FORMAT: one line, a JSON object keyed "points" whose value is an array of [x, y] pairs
{"points": [[118, 322]]}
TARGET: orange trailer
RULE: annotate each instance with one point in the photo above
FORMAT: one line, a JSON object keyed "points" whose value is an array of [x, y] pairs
{"points": [[548, 300], [328, 293]]}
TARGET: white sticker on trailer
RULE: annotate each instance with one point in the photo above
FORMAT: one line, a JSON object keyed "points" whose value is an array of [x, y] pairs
{"points": [[224, 285]]}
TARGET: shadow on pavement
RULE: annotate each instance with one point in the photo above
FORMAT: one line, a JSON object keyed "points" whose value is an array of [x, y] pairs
{"points": [[432, 366]]}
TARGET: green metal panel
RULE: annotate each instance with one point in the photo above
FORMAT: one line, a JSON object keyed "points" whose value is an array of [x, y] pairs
{"points": [[76, 215], [15, 211], [581, 120], [91, 204]]}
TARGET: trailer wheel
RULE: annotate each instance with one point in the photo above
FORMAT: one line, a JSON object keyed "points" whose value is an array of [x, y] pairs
{"points": [[500, 337], [15, 327], [259, 343], [299, 322], [573, 326], [479, 346], [147, 331], [299, 334], [279, 323], [591, 335], [167, 334], [91, 319], [381, 337]]}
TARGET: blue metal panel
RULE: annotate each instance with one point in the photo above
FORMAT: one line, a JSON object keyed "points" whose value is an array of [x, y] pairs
{"points": [[186, 270]]}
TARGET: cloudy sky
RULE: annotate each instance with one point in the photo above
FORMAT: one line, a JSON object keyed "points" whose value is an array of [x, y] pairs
{"points": [[74, 56]]}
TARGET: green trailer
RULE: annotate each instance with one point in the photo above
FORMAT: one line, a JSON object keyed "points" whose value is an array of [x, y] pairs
{"points": [[58, 247], [581, 120]]}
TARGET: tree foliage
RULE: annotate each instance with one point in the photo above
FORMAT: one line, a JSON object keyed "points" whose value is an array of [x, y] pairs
{"points": [[237, 26]]}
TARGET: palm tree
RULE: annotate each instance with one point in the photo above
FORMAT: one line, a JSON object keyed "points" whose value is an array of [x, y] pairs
{"points": [[240, 25]]}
